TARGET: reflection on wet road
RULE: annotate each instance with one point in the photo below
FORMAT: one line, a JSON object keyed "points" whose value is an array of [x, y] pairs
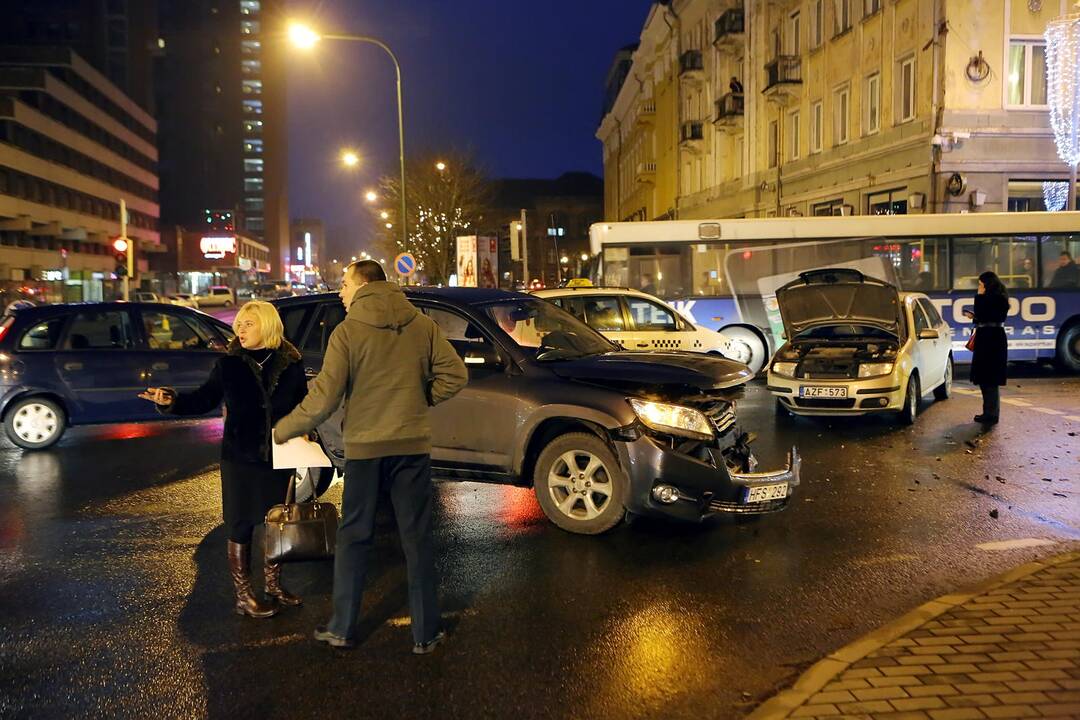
{"points": [[114, 599]]}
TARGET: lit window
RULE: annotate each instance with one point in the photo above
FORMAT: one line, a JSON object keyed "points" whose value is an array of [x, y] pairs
{"points": [[253, 126], [254, 203], [254, 223], [253, 185], [249, 27], [251, 67], [817, 121], [250, 47], [905, 106], [795, 133], [253, 107], [873, 104], [253, 165], [1026, 82], [842, 111], [250, 7], [252, 87], [253, 146]]}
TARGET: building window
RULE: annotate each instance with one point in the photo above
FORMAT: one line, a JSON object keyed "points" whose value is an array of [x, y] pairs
{"points": [[254, 222], [253, 126], [1027, 73], [842, 115], [250, 7], [252, 87], [253, 165], [794, 132], [817, 23], [817, 122], [254, 203], [870, 7], [250, 47], [873, 104], [252, 107], [253, 146], [774, 137], [253, 184], [829, 207], [251, 67], [905, 106], [841, 17], [249, 27], [888, 202], [794, 34]]}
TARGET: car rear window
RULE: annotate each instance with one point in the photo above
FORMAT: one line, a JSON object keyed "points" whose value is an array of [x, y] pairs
{"points": [[43, 336]]}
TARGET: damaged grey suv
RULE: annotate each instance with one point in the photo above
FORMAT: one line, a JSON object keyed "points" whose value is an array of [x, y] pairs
{"points": [[551, 404]]}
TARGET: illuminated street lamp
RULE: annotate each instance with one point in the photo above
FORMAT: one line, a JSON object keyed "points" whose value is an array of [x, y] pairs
{"points": [[354, 258], [371, 196], [305, 38], [389, 226], [584, 257], [384, 215], [440, 166], [349, 158]]}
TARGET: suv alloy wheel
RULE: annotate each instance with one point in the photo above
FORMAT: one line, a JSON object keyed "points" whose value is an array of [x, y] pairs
{"points": [[579, 484]]}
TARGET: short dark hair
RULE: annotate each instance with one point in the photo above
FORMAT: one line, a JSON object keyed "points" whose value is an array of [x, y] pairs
{"points": [[366, 271], [1066, 253]]}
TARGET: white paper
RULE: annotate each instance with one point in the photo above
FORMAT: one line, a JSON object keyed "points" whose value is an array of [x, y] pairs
{"points": [[299, 453]]}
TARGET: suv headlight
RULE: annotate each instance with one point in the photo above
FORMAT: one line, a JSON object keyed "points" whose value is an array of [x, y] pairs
{"points": [[674, 419], [786, 369], [874, 369]]}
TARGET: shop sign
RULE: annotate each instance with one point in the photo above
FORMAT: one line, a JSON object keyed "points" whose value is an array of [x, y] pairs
{"points": [[215, 247]]}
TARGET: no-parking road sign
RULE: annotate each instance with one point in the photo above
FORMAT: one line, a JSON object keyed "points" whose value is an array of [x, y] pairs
{"points": [[405, 264]]}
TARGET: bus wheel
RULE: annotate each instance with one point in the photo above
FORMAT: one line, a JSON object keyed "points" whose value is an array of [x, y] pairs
{"points": [[1068, 349], [759, 351]]}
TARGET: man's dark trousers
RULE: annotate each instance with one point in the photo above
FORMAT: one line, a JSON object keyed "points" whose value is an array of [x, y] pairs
{"points": [[408, 478]]}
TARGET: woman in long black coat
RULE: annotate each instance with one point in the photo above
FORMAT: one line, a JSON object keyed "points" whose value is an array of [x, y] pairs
{"points": [[260, 379], [988, 362]]}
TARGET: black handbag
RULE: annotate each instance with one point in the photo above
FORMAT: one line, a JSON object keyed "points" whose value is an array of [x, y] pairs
{"points": [[296, 532]]}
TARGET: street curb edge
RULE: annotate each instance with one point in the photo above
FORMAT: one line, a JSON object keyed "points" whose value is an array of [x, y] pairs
{"points": [[822, 672]]}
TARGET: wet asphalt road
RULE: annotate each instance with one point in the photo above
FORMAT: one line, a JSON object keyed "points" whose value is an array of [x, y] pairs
{"points": [[114, 599]]}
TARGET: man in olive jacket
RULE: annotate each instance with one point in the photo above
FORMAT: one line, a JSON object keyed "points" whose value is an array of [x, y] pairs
{"points": [[390, 363]]}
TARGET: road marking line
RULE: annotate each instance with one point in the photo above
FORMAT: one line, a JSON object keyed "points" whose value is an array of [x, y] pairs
{"points": [[1075, 418], [1047, 411], [1014, 544], [1017, 402]]}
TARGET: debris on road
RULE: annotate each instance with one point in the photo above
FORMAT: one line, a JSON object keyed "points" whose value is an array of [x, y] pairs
{"points": [[994, 513]]}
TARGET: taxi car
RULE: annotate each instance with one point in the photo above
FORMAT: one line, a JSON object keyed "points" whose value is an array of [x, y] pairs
{"points": [[637, 321], [855, 345]]}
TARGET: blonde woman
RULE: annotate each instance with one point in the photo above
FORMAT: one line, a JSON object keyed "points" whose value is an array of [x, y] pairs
{"points": [[260, 379]]}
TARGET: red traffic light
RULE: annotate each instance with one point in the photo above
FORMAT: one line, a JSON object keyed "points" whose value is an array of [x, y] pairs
{"points": [[120, 245]]}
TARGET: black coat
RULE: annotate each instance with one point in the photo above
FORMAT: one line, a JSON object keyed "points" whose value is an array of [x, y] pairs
{"points": [[255, 398], [991, 346]]}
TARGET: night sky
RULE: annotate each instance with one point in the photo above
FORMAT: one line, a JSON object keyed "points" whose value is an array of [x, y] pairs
{"points": [[518, 84]]}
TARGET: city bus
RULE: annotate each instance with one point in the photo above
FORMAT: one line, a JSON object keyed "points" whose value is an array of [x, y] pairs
{"points": [[722, 274]]}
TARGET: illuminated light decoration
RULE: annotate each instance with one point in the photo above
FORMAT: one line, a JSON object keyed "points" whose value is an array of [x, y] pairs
{"points": [[1063, 89], [1055, 195], [215, 247]]}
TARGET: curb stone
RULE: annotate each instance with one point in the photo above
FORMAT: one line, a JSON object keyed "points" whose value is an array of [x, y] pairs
{"points": [[825, 670]]}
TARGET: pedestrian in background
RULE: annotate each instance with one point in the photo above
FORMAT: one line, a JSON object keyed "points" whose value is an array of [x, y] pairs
{"points": [[988, 361], [390, 363], [260, 379]]}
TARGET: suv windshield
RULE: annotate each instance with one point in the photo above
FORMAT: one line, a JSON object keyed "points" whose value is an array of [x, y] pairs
{"points": [[540, 327]]}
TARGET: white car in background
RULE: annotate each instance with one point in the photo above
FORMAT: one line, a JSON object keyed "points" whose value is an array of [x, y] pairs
{"points": [[639, 321], [217, 296], [184, 300], [854, 345]]}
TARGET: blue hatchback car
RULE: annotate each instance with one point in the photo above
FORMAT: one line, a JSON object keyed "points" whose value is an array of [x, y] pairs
{"points": [[84, 363]]}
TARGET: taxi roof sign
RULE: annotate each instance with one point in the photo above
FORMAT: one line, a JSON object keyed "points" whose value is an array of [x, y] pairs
{"points": [[579, 282]]}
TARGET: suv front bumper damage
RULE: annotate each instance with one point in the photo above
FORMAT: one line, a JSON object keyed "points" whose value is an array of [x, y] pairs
{"points": [[707, 485]]}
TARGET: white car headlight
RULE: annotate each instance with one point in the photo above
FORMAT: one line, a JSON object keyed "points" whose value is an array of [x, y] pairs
{"points": [[874, 369], [674, 419], [785, 368]]}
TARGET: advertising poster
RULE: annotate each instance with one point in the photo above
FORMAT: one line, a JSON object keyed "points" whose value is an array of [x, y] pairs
{"points": [[487, 275], [466, 261]]}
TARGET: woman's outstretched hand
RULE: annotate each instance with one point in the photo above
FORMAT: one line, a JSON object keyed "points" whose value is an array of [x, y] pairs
{"points": [[158, 396]]}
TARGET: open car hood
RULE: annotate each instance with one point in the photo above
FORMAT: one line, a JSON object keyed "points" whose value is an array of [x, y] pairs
{"points": [[673, 372], [838, 296]]}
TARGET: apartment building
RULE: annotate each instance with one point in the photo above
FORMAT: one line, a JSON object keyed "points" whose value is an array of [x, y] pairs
{"points": [[809, 107]]}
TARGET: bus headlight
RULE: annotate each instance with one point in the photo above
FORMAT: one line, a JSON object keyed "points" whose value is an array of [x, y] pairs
{"points": [[867, 370], [787, 369], [674, 419]]}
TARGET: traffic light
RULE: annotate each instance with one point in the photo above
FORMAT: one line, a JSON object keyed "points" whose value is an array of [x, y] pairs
{"points": [[120, 252]]}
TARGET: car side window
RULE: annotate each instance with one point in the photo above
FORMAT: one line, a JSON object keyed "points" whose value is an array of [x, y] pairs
{"points": [[921, 323], [293, 320], [932, 313], [603, 313], [169, 331], [460, 331], [43, 336], [328, 318], [647, 315], [101, 330]]}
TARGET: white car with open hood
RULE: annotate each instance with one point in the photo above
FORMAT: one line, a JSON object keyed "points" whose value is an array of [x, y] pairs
{"points": [[854, 344]]}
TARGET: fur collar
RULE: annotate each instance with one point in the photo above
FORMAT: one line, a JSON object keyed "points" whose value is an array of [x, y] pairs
{"points": [[285, 354]]}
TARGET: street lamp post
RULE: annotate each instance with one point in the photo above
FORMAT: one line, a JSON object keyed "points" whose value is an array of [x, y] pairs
{"points": [[306, 38]]}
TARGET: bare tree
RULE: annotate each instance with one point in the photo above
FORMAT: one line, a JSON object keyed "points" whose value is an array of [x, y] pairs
{"points": [[441, 204]]}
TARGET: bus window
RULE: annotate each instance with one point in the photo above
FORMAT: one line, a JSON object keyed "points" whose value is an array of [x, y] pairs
{"points": [[1059, 256], [661, 270], [1012, 258], [921, 264]]}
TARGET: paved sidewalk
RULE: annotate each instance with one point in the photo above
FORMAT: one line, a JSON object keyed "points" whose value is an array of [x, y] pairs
{"points": [[1008, 649]]}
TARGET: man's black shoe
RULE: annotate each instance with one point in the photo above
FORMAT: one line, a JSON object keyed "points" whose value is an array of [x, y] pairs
{"points": [[986, 420], [325, 636], [430, 645]]}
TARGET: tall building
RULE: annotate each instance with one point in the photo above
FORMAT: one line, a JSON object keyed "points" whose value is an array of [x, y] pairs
{"points": [[808, 107], [220, 86], [72, 145], [307, 249], [117, 37]]}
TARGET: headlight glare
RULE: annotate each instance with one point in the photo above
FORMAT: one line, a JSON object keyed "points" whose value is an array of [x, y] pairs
{"points": [[675, 419], [874, 369], [785, 368]]}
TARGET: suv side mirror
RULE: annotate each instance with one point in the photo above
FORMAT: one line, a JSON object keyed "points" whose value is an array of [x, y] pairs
{"points": [[928, 334], [483, 354]]}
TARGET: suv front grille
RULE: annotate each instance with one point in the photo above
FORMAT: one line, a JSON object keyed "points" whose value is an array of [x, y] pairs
{"points": [[736, 508], [721, 414]]}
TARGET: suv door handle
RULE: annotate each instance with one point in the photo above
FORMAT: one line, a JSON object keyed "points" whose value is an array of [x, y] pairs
{"points": [[160, 366], [73, 366]]}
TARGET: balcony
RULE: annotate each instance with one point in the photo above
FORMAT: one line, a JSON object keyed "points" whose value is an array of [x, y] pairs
{"points": [[730, 27], [692, 136], [692, 66], [645, 173], [646, 115], [783, 78], [730, 109]]}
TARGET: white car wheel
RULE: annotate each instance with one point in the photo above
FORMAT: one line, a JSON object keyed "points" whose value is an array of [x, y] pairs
{"points": [[756, 350], [34, 423]]}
